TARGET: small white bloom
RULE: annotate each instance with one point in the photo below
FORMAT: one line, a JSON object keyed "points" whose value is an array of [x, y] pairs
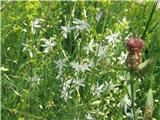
{"points": [[35, 80], [78, 82], [122, 58], [65, 93], [97, 90], [81, 25], [49, 43], [89, 117], [80, 67], [98, 16], [60, 65], [102, 51], [27, 48], [112, 39], [66, 30], [35, 24], [124, 23], [89, 48], [126, 102]]}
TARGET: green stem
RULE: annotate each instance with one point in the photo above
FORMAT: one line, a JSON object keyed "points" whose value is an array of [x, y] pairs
{"points": [[149, 20], [132, 99]]}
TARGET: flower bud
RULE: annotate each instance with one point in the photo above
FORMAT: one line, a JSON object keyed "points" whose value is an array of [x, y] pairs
{"points": [[134, 46]]}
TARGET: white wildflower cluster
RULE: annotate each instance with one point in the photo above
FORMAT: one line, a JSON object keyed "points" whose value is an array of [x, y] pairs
{"points": [[82, 67], [71, 85], [48, 44], [97, 89], [79, 25]]}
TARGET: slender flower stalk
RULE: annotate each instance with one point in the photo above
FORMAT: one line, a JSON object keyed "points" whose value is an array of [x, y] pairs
{"points": [[133, 96], [134, 46]]}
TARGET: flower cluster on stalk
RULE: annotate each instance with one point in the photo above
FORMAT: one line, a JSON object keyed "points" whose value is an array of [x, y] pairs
{"points": [[134, 46]]}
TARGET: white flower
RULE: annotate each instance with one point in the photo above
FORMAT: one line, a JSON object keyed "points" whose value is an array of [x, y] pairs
{"points": [[80, 67], [77, 83], [126, 102], [112, 39], [27, 48], [60, 65], [89, 117], [66, 30], [124, 23], [98, 16], [97, 90], [35, 24], [49, 43], [89, 48], [81, 25], [122, 58], [65, 93], [35, 80], [102, 51]]}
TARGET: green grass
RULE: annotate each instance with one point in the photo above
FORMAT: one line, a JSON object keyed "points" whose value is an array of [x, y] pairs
{"points": [[81, 74]]}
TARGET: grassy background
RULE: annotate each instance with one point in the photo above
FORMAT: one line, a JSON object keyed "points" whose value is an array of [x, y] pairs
{"points": [[23, 98]]}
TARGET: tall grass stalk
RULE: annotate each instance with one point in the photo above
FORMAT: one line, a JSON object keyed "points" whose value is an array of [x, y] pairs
{"points": [[149, 20]]}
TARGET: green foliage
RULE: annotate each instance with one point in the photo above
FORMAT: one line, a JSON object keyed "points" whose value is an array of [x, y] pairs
{"points": [[66, 60]]}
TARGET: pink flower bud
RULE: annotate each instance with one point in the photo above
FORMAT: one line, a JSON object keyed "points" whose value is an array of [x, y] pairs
{"points": [[134, 46]]}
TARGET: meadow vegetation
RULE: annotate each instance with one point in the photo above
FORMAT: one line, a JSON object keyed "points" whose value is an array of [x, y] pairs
{"points": [[66, 60]]}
